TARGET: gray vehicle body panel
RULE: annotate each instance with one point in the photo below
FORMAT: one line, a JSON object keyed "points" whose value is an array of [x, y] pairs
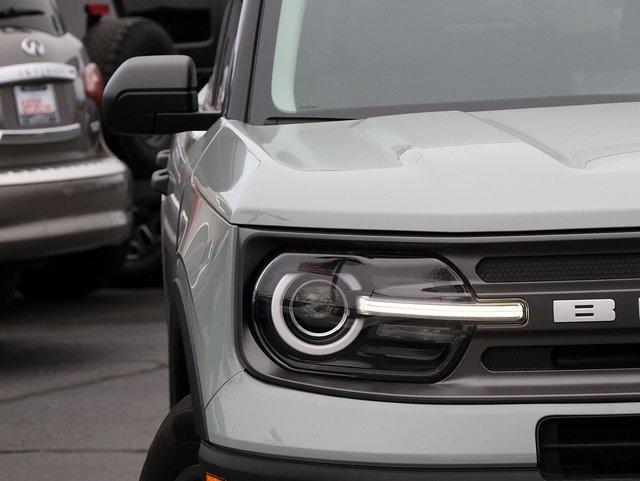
{"points": [[251, 416], [207, 249], [74, 108], [64, 48], [560, 168], [48, 211]]}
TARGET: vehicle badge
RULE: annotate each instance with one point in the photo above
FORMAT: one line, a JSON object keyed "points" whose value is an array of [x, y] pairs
{"points": [[33, 47]]}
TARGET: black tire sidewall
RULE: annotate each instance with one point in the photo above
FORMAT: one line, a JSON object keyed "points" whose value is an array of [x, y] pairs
{"points": [[175, 446], [135, 152], [74, 275]]}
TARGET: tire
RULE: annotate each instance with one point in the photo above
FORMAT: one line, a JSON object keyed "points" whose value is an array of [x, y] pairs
{"points": [[142, 266], [173, 455], [73, 276], [109, 43], [8, 287]]}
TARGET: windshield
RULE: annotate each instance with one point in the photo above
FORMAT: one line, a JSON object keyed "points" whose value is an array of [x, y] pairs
{"points": [[32, 14], [358, 58]]}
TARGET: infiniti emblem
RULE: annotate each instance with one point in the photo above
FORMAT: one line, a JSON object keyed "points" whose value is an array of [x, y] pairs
{"points": [[33, 47]]}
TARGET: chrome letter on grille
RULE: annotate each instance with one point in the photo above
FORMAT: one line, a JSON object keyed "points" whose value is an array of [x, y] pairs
{"points": [[591, 310]]}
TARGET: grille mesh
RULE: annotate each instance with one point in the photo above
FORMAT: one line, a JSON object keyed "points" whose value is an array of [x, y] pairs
{"points": [[562, 358], [590, 447], [559, 268]]}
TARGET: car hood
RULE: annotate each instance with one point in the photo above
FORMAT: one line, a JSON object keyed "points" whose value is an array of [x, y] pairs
{"points": [[64, 48], [544, 169]]}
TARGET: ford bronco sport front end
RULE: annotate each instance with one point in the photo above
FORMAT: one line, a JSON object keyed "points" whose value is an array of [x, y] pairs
{"points": [[406, 246]]}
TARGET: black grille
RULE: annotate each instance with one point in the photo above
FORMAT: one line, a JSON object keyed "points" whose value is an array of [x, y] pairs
{"points": [[590, 447], [559, 268], [562, 358]]}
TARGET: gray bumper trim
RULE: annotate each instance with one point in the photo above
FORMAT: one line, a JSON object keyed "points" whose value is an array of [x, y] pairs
{"points": [[241, 466], [24, 72], [93, 168], [342, 430], [39, 136], [54, 210]]}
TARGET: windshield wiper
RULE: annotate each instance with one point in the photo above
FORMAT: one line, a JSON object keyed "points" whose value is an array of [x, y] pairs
{"points": [[13, 12]]}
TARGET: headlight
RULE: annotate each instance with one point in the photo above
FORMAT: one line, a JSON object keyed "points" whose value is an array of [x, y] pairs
{"points": [[370, 317]]}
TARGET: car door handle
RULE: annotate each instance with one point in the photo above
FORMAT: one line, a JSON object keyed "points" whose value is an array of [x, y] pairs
{"points": [[161, 181], [162, 158]]}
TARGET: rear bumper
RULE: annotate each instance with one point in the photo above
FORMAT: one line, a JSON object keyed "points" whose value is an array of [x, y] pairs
{"points": [[59, 209], [236, 466]]}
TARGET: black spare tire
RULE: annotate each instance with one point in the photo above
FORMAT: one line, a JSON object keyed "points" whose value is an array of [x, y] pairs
{"points": [[109, 43]]}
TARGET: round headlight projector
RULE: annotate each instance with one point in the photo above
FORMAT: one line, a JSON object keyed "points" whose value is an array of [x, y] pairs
{"points": [[312, 316], [318, 308]]}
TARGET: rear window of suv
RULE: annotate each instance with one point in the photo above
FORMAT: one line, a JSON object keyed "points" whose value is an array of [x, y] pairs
{"points": [[31, 14]]}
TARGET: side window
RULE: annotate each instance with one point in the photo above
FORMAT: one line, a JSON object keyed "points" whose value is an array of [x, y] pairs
{"points": [[218, 86]]}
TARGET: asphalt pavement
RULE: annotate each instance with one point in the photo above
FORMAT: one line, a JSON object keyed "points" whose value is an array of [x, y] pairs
{"points": [[83, 386]]}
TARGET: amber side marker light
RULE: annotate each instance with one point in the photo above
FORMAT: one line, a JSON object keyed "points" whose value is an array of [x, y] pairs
{"points": [[211, 477]]}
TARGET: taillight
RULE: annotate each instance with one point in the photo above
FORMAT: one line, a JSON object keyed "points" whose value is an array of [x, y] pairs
{"points": [[98, 9], [93, 83]]}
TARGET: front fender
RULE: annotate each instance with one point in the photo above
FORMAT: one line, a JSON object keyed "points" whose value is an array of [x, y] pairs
{"points": [[203, 292]]}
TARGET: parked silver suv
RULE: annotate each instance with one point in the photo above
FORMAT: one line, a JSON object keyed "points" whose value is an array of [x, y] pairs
{"points": [[406, 247], [65, 204]]}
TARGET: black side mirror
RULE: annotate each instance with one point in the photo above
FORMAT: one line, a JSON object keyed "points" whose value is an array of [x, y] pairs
{"points": [[155, 95]]}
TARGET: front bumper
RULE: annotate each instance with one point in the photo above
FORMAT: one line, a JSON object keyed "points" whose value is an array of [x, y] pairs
{"points": [[59, 209], [235, 466], [247, 415]]}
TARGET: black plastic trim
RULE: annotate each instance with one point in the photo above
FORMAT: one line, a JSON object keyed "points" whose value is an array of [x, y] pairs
{"points": [[562, 358], [559, 268], [241, 79], [550, 463], [179, 304], [237, 466]]}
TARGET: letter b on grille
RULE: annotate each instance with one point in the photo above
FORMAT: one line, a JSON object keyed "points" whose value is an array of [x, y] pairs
{"points": [[591, 310]]}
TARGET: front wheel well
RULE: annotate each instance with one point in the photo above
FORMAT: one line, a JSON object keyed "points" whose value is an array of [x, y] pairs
{"points": [[183, 366], [179, 386]]}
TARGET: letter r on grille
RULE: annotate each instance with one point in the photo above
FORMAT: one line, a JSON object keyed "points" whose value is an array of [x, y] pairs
{"points": [[590, 310]]}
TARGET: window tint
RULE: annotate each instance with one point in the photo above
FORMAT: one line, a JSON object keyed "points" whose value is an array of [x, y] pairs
{"points": [[32, 14]]}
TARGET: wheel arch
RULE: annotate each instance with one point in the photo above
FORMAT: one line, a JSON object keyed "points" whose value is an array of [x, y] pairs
{"points": [[183, 368]]}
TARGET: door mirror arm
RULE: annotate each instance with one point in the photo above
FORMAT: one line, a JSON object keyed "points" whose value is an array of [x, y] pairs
{"points": [[174, 123]]}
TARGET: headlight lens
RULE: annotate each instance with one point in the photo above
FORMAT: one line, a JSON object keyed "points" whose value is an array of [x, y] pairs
{"points": [[318, 308], [370, 317]]}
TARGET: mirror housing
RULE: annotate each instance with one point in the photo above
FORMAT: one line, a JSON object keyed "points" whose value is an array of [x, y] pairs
{"points": [[156, 94]]}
